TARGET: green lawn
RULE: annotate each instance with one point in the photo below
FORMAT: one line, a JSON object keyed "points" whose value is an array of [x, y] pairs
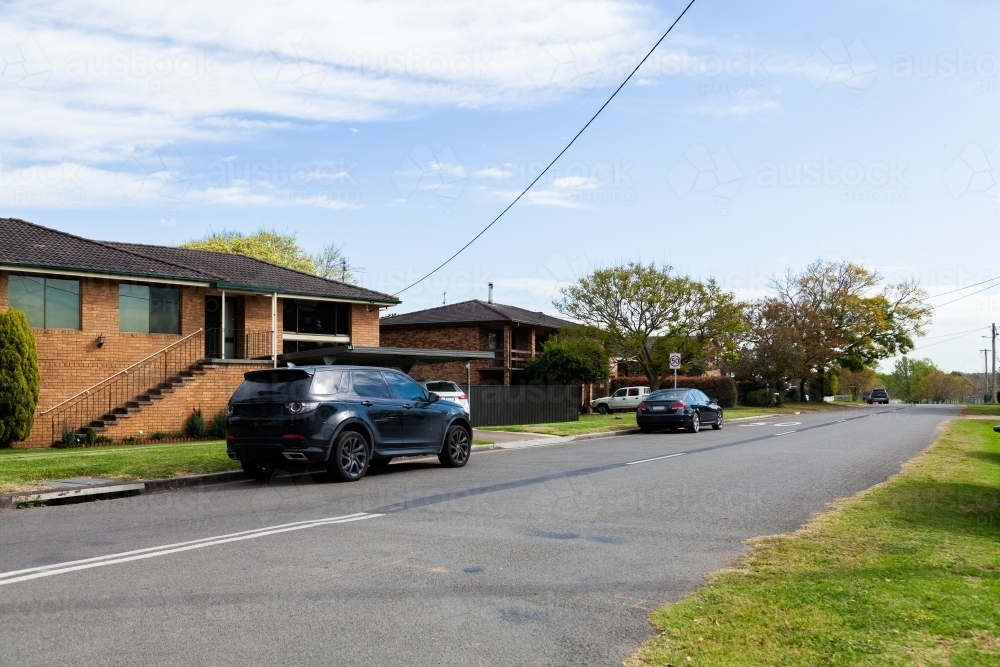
{"points": [[626, 420], [907, 573], [984, 409], [23, 469]]}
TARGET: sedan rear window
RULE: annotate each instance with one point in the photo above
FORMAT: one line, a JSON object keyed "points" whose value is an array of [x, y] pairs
{"points": [[438, 387], [670, 395], [277, 386]]}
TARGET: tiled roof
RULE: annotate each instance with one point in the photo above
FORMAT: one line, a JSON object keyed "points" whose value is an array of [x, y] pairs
{"points": [[247, 271], [474, 312], [30, 245]]}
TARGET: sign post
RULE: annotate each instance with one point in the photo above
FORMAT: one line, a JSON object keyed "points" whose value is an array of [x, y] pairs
{"points": [[675, 363]]}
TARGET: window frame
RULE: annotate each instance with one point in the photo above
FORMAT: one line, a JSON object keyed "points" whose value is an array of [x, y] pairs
{"points": [[149, 307], [45, 277]]}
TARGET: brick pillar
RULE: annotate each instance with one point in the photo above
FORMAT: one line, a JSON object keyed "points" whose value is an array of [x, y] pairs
{"points": [[532, 348], [506, 355]]}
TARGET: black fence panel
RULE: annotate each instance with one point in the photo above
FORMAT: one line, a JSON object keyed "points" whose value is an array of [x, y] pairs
{"points": [[497, 405]]}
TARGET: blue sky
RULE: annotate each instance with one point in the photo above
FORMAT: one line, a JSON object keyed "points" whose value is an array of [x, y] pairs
{"points": [[758, 137]]}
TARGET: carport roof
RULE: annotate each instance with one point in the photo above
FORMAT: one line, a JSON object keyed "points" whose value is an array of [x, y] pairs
{"points": [[399, 357]]}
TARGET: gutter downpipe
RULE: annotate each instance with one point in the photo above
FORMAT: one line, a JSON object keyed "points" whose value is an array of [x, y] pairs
{"points": [[274, 330], [222, 328]]}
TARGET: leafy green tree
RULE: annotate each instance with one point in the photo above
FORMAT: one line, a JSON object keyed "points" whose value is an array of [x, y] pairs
{"points": [[274, 247], [574, 356], [646, 312], [19, 379], [904, 382]]}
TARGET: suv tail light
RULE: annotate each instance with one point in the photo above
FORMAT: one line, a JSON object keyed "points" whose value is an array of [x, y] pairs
{"points": [[297, 408], [462, 397], [678, 405]]}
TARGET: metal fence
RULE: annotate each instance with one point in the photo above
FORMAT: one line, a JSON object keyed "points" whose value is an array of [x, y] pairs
{"points": [[496, 405]]}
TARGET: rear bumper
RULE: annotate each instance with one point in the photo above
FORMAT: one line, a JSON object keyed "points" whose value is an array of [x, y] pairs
{"points": [[274, 453], [662, 421]]}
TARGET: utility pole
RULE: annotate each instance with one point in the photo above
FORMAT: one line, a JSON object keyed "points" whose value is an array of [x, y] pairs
{"points": [[986, 373], [993, 329]]}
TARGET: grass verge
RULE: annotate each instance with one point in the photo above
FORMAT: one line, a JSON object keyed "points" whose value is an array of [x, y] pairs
{"points": [[982, 409], [25, 469], [906, 573], [626, 420]]}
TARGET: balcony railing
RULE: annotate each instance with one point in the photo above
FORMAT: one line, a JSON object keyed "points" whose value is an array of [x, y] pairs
{"points": [[518, 359], [238, 344]]}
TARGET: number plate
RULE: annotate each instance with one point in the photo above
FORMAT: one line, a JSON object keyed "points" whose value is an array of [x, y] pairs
{"points": [[657, 408]]}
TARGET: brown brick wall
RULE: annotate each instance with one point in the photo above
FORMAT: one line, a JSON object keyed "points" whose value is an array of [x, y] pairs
{"points": [[69, 360], [443, 338], [364, 325]]}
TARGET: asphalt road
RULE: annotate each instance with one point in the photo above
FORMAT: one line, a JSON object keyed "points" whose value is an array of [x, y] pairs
{"points": [[542, 556]]}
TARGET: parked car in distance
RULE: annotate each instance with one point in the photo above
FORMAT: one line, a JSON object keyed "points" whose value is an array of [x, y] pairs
{"points": [[877, 395], [346, 418], [678, 408], [626, 398], [449, 391]]}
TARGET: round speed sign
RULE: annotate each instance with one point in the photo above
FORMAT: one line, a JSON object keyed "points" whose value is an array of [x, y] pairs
{"points": [[675, 360]]}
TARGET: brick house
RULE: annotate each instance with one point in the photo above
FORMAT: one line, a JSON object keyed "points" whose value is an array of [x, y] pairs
{"points": [[132, 338], [514, 335]]}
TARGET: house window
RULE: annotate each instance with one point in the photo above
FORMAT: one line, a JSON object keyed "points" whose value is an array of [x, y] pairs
{"points": [[319, 318], [149, 309], [49, 303]]}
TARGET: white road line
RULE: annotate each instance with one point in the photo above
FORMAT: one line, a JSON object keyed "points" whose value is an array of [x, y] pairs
{"points": [[163, 550], [840, 421], [754, 424], [785, 433], [658, 458], [789, 424]]}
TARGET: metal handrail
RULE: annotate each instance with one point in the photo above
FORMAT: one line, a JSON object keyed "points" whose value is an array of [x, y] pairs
{"points": [[140, 379], [124, 371]]}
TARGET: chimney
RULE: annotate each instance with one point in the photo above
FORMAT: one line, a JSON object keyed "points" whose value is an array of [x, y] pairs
{"points": [[491, 293]]}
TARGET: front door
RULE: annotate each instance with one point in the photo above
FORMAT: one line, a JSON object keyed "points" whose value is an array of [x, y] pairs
{"points": [[231, 333], [618, 399]]}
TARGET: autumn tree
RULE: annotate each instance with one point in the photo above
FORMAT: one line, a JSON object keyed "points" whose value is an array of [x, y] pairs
{"points": [[646, 312], [844, 317], [768, 352], [858, 382]]}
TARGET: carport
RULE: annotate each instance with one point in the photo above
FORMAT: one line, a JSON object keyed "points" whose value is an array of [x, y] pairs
{"points": [[403, 358]]}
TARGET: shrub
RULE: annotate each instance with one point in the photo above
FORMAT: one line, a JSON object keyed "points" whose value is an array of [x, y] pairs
{"points": [[129, 440], [104, 440], [19, 379], [716, 386], [760, 398], [68, 438], [158, 435], [90, 436], [195, 426], [219, 424], [571, 357]]}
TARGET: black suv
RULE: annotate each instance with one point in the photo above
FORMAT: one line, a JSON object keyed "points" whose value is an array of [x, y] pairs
{"points": [[346, 417], [877, 396]]}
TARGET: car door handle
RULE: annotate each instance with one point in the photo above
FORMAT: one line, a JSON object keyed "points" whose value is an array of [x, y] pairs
{"points": [[367, 404], [407, 406]]}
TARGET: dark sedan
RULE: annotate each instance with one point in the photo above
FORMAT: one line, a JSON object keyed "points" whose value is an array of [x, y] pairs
{"points": [[678, 408], [345, 418]]}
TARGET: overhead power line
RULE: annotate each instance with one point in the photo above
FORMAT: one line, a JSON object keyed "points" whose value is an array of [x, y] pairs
{"points": [[965, 296], [549, 166], [960, 289], [968, 333]]}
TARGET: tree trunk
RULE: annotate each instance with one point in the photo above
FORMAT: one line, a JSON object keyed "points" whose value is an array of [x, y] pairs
{"points": [[770, 393], [802, 390]]}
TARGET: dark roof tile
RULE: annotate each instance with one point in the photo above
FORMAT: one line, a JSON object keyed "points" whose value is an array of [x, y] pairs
{"points": [[474, 312]]}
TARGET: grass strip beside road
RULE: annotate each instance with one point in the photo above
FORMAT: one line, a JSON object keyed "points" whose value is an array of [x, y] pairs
{"points": [[982, 409], [906, 573], [25, 469]]}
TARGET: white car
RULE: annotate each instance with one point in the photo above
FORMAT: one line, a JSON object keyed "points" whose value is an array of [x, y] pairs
{"points": [[449, 391], [626, 398]]}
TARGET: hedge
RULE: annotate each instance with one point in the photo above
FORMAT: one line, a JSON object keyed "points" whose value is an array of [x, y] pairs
{"points": [[722, 388]]}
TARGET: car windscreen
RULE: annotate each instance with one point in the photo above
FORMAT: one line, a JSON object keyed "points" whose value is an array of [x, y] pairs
{"points": [[438, 387], [669, 395], [279, 386]]}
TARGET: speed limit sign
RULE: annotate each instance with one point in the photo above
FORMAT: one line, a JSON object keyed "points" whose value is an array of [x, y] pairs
{"points": [[675, 360]]}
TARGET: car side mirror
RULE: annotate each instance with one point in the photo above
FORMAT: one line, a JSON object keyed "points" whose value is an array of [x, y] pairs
{"points": [[714, 400], [433, 398]]}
